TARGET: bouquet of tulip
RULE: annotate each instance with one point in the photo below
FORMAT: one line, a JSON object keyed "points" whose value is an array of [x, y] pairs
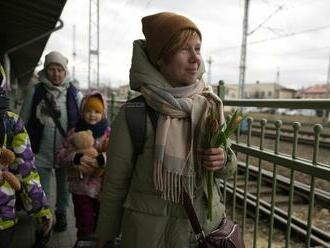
{"points": [[217, 136]]}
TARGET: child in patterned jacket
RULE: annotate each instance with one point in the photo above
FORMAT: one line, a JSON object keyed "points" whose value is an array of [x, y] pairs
{"points": [[84, 183], [14, 137]]}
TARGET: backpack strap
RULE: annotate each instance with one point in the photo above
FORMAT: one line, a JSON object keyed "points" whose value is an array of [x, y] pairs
{"points": [[6, 131], [153, 115], [136, 121], [2, 133], [136, 117]]}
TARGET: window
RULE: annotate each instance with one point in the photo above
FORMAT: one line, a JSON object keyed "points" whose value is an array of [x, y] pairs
{"points": [[262, 94]]}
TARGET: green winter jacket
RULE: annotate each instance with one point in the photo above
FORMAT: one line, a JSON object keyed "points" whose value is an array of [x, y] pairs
{"points": [[131, 205]]}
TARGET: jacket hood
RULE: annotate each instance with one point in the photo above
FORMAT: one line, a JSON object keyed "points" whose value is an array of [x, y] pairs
{"points": [[144, 72], [94, 93]]}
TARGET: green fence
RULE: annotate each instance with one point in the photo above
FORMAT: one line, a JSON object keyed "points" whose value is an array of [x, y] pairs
{"points": [[267, 161]]}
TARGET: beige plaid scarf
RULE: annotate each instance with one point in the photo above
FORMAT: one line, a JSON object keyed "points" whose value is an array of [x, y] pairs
{"points": [[180, 125]]}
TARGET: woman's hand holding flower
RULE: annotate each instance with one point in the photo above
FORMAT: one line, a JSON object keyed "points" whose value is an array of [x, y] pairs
{"points": [[213, 159]]}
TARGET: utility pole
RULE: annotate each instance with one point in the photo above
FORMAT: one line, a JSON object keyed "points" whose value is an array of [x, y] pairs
{"points": [[277, 84], [74, 53], [327, 89], [328, 81], [209, 62], [242, 66], [93, 48], [278, 75]]}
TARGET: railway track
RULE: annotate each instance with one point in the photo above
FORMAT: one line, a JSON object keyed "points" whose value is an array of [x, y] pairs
{"points": [[287, 133], [298, 226], [288, 129], [309, 140]]}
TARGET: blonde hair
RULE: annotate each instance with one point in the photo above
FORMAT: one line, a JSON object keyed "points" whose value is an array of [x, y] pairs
{"points": [[178, 41]]}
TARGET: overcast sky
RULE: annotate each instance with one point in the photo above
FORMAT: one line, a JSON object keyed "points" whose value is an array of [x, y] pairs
{"points": [[295, 39]]}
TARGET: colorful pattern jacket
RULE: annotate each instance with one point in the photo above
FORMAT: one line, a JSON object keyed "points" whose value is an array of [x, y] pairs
{"points": [[32, 195]]}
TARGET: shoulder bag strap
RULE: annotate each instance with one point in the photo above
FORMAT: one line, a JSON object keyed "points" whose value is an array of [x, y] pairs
{"points": [[55, 116], [199, 233]]}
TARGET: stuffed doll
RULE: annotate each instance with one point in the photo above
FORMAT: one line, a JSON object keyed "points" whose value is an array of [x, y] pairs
{"points": [[83, 142], [6, 158]]}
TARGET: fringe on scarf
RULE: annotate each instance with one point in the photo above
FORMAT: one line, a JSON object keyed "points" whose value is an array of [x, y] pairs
{"points": [[172, 185]]}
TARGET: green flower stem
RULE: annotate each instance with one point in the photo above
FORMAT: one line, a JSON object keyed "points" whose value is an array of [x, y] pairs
{"points": [[217, 136], [210, 179]]}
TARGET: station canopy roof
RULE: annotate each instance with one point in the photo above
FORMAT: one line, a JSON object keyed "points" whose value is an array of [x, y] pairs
{"points": [[22, 21]]}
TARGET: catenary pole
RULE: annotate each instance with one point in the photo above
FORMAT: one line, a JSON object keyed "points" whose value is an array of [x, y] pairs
{"points": [[328, 80], [242, 66]]}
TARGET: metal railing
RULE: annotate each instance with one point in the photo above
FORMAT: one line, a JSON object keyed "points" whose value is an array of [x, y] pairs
{"points": [[312, 168]]}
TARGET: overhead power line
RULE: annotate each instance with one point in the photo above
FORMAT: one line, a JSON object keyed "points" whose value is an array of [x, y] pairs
{"points": [[266, 20], [291, 34], [278, 37], [147, 4], [307, 50]]}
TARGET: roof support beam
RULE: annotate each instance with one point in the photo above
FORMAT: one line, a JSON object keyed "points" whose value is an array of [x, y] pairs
{"points": [[23, 44]]}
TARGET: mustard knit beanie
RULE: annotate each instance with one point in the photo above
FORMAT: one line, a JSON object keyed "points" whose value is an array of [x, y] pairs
{"points": [[94, 103], [159, 28]]}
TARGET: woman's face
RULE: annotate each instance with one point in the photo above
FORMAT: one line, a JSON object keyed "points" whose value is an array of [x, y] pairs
{"points": [[181, 69], [55, 73]]}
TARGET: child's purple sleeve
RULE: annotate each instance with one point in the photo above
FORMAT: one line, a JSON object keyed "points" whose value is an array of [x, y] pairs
{"points": [[32, 194]]}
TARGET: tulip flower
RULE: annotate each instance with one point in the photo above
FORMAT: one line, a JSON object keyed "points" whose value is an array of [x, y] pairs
{"points": [[217, 136]]}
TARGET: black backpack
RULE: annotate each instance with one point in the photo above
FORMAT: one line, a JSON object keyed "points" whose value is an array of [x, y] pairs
{"points": [[136, 116]]}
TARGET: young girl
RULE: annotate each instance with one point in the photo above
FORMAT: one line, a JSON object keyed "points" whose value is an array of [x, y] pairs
{"points": [[84, 185]]}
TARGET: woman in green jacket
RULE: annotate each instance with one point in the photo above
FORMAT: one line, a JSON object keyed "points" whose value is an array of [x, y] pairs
{"points": [[142, 199]]}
